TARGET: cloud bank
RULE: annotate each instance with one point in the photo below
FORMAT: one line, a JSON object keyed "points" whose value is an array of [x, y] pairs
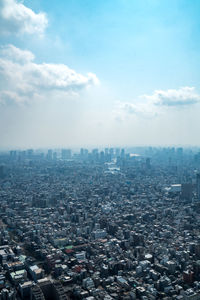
{"points": [[21, 79], [150, 106], [181, 97], [16, 18]]}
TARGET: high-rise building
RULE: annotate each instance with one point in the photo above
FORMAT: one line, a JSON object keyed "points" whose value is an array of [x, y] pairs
{"points": [[66, 154], [2, 171], [186, 191], [54, 155], [198, 185], [81, 152], [13, 154], [179, 152], [30, 153], [50, 154], [117, 152], [122, 153], [111, 151], [102, 157], [148, 163]]}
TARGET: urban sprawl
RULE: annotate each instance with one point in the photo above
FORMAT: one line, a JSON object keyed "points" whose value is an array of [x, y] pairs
{"points": [[100, 224]]}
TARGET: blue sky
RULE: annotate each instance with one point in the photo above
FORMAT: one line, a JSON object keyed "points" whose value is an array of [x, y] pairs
{"points": [[141, 45], [135, 81], [152, 41]]}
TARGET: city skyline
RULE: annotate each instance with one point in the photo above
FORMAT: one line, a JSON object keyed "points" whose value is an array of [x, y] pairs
{"points": [[100, 225], [103, 73]]}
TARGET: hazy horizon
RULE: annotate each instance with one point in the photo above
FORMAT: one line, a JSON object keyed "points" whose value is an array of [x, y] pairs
{"points": [[128, 149]]}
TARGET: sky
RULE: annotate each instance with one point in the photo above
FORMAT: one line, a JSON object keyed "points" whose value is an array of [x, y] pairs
{"points": [[84, 73]]}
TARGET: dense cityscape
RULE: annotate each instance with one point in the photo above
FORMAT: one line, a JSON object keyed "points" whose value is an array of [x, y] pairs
{"points": [[99, 156], [100, 224]]}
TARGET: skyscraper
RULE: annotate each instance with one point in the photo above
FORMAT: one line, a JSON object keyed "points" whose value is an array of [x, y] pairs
{"points": [[186, 191], [198, 186], [2, 171], [66, 154]]}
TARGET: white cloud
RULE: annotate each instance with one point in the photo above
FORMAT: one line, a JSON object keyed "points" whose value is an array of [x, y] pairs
{"points": [[152, 105], [16, 18], [15, 54], [125, 109], [21, 79], [183, 96]]}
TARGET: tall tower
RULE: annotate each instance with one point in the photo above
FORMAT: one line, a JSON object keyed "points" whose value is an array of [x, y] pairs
{"points": [[198, 186], [186, 191], [148, 163], [2, 171]]}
